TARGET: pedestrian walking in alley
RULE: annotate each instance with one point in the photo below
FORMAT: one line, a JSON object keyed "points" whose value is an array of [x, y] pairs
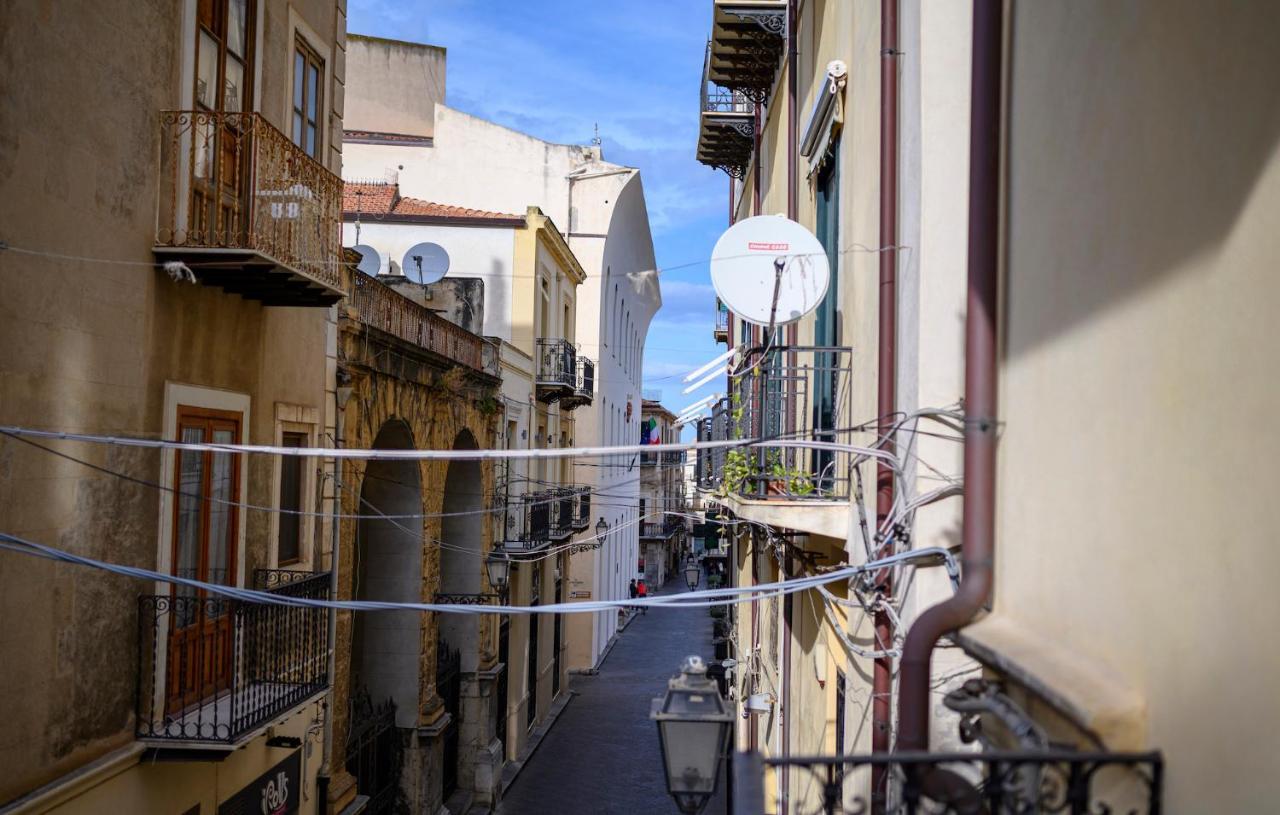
{"points": [[642, 592]]}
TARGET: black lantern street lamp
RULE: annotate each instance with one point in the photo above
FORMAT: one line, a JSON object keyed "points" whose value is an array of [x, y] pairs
{"points": [[692, 573], [498, 566], [602, 529], [693, 730]]}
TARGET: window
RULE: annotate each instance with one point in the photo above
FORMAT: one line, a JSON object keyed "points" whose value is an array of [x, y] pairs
{"points": [[308, 70], [205, 521], [289, 541], [224, 55]]}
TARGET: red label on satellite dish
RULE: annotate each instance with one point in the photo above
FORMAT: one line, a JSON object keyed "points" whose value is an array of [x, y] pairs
{"points": [[758, 246]]}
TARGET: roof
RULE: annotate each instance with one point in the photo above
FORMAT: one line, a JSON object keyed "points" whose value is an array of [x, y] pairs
{"points": [[383, 199]]}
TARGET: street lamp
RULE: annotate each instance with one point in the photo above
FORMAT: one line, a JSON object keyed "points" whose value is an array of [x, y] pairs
{"points": [[602, 529], [692, 574], [693, 730], [498, 565]]}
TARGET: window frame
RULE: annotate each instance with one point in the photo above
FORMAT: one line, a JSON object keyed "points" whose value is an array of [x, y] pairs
{"points": [[310, 59], [292, 438], [304, 421]]}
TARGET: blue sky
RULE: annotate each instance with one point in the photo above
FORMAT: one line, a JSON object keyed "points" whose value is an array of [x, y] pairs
{"points": [[556, 68]]}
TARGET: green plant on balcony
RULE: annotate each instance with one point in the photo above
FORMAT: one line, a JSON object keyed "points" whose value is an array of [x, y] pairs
{"points": [[785, 479]]}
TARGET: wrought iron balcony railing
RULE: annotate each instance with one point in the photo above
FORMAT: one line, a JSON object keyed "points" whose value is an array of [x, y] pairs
{"points": [[788, 393], [387, 310], [584, 385], [235, 189], [557, 369], [583, 520], [564, 511], [993, 783], [726, 126], [527, 520], [213, 671]]}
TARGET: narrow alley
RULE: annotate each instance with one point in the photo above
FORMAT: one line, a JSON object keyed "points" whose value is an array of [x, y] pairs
{"points": [[602, 755]]}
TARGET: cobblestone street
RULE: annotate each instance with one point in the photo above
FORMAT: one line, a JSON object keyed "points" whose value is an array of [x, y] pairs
{"points": [[602, 756]]}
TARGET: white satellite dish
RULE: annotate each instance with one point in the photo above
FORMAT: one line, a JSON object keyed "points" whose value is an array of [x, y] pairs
{"points": [[370, 260], [425, 263], [769, 270]]}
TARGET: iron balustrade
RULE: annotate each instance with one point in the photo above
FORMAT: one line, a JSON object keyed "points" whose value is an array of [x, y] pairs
{"points": [[234, 181], [557, 369], [584, 508], [792, 393], [564, 511], [212, 670], [527, 521], [584, 384], [386, 309], [993, 782]]}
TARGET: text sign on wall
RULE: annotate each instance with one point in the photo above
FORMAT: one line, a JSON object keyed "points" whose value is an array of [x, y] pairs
{"points": [[275, 792]]}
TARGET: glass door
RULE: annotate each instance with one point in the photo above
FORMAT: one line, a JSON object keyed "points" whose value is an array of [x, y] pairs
{"points": [[204, 549]]}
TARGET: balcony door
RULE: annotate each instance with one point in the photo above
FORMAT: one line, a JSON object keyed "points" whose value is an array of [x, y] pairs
{"points": [[204, 548], [222, 146]]}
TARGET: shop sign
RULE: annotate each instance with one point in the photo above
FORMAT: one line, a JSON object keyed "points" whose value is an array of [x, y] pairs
{"points": [[275, 792]]}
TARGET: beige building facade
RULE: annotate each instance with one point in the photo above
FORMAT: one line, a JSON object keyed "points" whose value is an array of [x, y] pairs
{"points": [[664, 526], [205, 137]]}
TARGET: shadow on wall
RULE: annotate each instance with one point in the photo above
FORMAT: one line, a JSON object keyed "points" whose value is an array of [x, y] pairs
{"points": [[1138, 132]]}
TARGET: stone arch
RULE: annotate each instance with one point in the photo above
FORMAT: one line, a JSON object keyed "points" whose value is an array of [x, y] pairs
{"points": [[388, 566], [462, 548]]}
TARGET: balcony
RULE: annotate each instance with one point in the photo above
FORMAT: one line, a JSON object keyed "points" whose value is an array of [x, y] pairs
{"points": [[246, 210], [995, 782], [583, 387], [527, 521], [721, 332], [654, 530], [214, 672], [557, 374], [582, 518], [784, 393], [726, 126], [385, 309], [747, 41], [564, 512]]}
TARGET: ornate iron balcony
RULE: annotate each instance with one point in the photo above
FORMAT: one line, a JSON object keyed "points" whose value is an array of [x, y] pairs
{"points": [[247, 209], [527, 521], [389, 311], [213, 671], [564, 511], [786, 393], [726, 133], [557, 371], [584, 385], [995, 783]]}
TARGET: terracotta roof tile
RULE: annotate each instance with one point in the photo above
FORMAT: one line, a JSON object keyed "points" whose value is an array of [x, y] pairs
{"points": [[381, 198]]}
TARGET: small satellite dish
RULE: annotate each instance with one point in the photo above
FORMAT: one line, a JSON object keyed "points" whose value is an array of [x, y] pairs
{"points": [[767, 256], [370, 260], [425, 263]]}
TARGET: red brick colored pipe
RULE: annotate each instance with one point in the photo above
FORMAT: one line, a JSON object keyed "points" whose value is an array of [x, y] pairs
{"points": [[978, 529], [887, 397]]}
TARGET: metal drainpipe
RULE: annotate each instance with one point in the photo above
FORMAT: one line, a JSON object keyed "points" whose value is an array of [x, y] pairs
{"points": [[784, 704], [887, 401], [335, 538], [978, 529]]}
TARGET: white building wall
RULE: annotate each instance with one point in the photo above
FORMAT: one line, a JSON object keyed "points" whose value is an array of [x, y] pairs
{"points": [[478, 164], [486, 253]]}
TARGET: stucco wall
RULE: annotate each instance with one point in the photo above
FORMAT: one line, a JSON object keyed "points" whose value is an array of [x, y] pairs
{"points": [[90, 345], [1136, 470], [393, 86]]}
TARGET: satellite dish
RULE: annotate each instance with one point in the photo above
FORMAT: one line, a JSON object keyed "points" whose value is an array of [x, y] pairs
{"points": [[764, 255], [425, 263], [370, 260]]}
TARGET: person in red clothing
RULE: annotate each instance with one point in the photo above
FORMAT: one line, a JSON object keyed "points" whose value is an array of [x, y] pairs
{"points": [[642, 592]]}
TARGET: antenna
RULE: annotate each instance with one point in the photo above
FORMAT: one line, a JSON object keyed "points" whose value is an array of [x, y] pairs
{"points": [[425, 263], [596, 138], [370, 260], [769, 270]]}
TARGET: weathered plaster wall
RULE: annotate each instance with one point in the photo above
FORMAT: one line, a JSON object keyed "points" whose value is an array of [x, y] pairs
{"points": [[437, 408]]}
